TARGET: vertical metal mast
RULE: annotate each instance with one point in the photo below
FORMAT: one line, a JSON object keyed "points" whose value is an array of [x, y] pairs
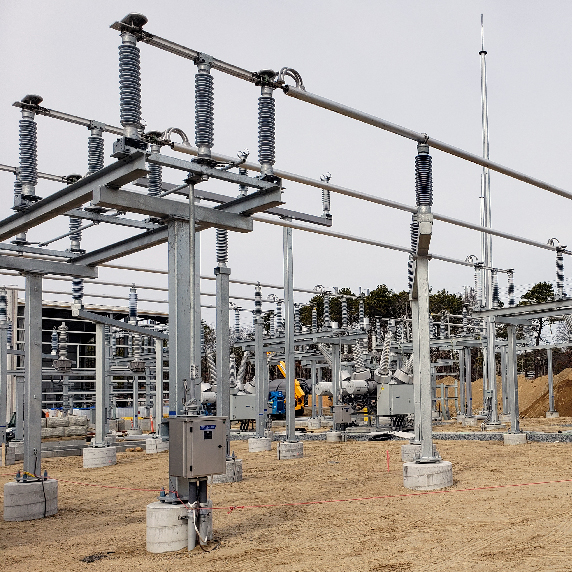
{"points": [[486, 239]]}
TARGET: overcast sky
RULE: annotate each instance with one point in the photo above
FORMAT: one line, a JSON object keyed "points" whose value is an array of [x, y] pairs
{"points": [[413, 63]]}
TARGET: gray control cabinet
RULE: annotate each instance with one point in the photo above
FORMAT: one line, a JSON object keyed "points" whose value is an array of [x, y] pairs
{"points": [[395, 399], [197, 446], [342, 414], [242, 407]]}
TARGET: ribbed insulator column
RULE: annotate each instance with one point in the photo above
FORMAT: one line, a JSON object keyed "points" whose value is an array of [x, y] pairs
{"points": [[510, 277], [314, 320], [560, 294], [344, 313], [63, 341], [221, 247]]}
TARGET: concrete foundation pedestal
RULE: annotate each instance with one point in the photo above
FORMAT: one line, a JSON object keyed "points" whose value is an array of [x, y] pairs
{"points": [[409, 452], [552, 414], [9, 457], [287, 450], [427, 476], [504, 417], [470, 421], [233, 473], [153, 446], [134, 432], [514, 438], [94, 457], [493, 426], [460, 418], [166, 530], [314, 423], [334, 436], [258, 444], [30, 501]]}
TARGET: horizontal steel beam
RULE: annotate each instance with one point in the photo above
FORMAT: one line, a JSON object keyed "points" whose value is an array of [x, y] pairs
{"points": [[352, 113], [186, 53], [564, 306], [24, 249], [46, 176], [40, 266], [89, 123], [97, 217], [218, 198], [98, 319], [74, 195], [257, 202], [124, 247], [166, 208], [204, 170]]}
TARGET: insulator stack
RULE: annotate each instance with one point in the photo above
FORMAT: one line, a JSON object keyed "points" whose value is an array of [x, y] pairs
{"points": [[361, 310], [204, 110], [54, 340], [327, 353], [399, 332], [155, 175], [237, 322], [95, 152], [3, 306], [133, 305], [279, 324], [130, 85], [232, 371], [17, 192], [465, 320], [136, 346], [28, 173], [242, 189], [221, 246], [314, 320], [63, 345], [242, 369], [560, 274], [479, 282], [408, 366], [266, 130], [385, 354], [272, 327], [325, 202], [423, 177], [344, 313], [211, 365], [257, 302], [494, 275], [297, 326], [442, 329], [327, 321], [511, 301], [432, 332], [9, 334], [77, 290], [358, 357], [75, 234], [378, 330]]}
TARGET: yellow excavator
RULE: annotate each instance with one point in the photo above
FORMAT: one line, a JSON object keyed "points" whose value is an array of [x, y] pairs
{"points": [[299, 394]]}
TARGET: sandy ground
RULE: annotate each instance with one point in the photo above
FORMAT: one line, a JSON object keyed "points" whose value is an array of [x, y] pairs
{"points": [[513, 528]]}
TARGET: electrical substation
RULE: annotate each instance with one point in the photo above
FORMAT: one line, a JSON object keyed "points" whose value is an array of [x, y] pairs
{"points": [[274, 373]]}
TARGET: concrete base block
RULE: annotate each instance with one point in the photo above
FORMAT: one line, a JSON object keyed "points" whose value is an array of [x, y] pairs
{"points": [[153, 446], [134, 432], [233, 473], [314, 423], [18, 447], [427, 476], [514, 438], [504, 417], [257, 444], [30, 501], [460, 418], [409, 452], [288, 450], [470, 422], [552, 414], [94, 457], [493, 427], [166, 531], [9, 457], [334, 436]]}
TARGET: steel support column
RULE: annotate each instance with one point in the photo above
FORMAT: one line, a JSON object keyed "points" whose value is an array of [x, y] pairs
{"points": [[416, 371], [33, 375], [513, 379], [259, 357], [19, 432], [461, 408], [100, 408], [289, 336], [222, 274], [179, 316], [468, 381], [550, 381], [158, 385], [3, 380], [504, 396]]}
